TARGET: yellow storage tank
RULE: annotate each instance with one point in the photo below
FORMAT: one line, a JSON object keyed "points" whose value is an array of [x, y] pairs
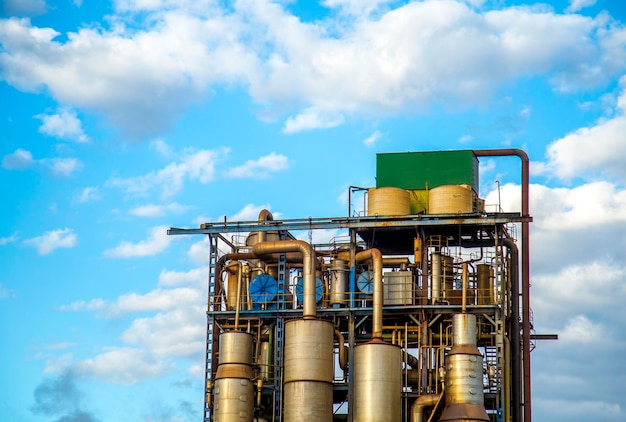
{"points": [[451, 199], [388, 201]]}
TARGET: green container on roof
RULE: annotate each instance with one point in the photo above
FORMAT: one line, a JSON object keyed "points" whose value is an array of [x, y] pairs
{"points": [[427, 169]]}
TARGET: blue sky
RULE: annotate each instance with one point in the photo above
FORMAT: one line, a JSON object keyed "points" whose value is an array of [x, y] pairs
{"points": [[121, 119]]}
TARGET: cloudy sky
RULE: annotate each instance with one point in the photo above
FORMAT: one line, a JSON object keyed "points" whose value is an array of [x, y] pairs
{"points": [[120, 119]]}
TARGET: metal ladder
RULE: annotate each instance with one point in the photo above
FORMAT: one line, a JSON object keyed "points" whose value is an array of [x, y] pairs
{"points": [[211, 335]]}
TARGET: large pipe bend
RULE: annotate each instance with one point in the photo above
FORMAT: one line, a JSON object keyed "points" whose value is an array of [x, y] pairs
{"points": [[343, 350], [308, 264], [420, 403], [377, 262]]}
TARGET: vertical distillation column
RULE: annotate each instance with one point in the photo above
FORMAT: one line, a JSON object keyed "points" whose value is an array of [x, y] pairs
{"points": [[464, 374], [211, 336]]}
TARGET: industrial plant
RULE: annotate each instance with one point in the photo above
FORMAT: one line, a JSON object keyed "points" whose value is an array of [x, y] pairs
{"points": [[419, 310]]}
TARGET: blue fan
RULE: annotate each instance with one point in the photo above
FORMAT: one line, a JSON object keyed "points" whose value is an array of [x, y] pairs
{"points": [[319, 290], [263, 289], [365, 282]]}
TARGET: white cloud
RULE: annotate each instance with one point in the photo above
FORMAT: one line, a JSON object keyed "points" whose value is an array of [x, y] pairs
{"points": [[180, 332], [261, 167], [580, 331], [415, 55], [81, 305], [153, 74], [199, 253], [162, 148], [63, 125], [59, 167], [596, 150], [122, 366], [18, 160], [196, 277], [155, 210], [51, 240], [88, 194], [155, 300], [313, 118], [193, 165], [157, 242], [7, 240], [355, 7], [577, 5], [372, 139], [62, 167]]}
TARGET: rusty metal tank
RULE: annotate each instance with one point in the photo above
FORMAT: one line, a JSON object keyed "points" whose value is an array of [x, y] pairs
{"points": [[377, 382]]}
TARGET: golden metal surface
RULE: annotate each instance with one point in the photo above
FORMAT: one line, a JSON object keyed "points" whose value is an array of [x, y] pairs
{"points": [[235, 347], [234, 400], [308, 401], [309, 350], [377, 382]]}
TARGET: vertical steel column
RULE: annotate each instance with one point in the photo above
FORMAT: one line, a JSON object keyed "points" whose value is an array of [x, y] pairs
{"points": [[351, 344], [211, 335], [282, 291], [278, 368], [280, 338]]}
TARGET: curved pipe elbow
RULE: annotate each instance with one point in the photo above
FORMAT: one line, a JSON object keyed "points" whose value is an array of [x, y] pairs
{"points": [[421, 403], [308, 264], [343, 350], [377, 263]]}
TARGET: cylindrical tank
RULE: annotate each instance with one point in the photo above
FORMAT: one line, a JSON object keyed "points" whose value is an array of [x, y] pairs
{"points": [[448, 275], [464, 329], [231, 289], [308, 350], [398, 288], [484, 283], [308, 373], [451, 199], [264, 361], [464, 374], [442, 276], [308, 401], [377, 382], [388, 201], [338, 282], [235, 347], [233, 393]]}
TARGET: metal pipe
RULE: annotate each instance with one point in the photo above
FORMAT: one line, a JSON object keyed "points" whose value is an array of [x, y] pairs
{"points": [[515, 331], [308, 261], [259, 391], [422, 402], [343, 350], [525, 266], [264, 215], [435, 277], [377, 262], [464, 288], [238, 300]]}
